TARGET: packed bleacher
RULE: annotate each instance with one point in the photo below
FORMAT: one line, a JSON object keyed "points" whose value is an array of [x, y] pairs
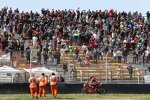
{"points": [[82, 38]]}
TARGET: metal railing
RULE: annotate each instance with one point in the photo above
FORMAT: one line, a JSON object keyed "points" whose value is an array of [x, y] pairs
{"points": [[83, 75]]}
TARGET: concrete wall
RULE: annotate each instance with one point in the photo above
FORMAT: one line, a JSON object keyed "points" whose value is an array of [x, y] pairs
{"points": [[76, 88]]}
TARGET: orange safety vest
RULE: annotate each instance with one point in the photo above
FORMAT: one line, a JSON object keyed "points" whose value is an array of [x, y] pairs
{"points": [[32, 81], [53, 80], [42, 80]]}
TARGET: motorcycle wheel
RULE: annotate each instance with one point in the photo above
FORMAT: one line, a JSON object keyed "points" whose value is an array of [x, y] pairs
{"points": [[100, 90], [84, 91]]}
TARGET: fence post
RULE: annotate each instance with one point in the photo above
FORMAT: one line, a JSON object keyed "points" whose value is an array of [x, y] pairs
{"points": [[138, 78], [88, 75], [122, 74], [100, 75], [81, 73], [134, 74], [142, 65], [12, 78], [110, 76], [18, 78], [25, 77], [69, 75]]}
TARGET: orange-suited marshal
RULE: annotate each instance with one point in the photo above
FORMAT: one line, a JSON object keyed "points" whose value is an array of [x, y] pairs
{"points": [[54, 85], [33, 86]]}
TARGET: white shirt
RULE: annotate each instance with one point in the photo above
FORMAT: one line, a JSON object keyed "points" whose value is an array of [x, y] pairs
{"points": [[84, 47], [113, 35], [114, 54], [96, 21], [62, 51], [96, 36], [87, 20], [34, 39], [119, 53], [146, 53]]}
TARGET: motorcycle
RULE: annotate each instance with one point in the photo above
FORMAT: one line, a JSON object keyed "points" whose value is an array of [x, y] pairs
{"points": [[87, 89]]}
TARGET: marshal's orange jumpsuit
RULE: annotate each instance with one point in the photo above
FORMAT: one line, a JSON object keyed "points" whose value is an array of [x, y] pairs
{"points": [[33, 86], [42, 85], [54, 85]]}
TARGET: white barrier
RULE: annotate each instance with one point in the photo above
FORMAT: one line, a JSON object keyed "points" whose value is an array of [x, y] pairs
{"points": [[147, 79]]}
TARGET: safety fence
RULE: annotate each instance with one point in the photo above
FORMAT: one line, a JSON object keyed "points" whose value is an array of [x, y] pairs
{"points": [[82, 75], [106, 76]]}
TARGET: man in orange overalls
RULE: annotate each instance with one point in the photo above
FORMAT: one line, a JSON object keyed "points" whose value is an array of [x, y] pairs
{"points": [[42, 84], [33, 86], [54, 84]]}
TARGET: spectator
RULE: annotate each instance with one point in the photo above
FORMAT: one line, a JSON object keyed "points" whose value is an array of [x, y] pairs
{"points": [[45, 55], [61, 79], [76, 34], [95, 55], [149, 35], [73, 73], [87, 59], [100, 53], [35, 40], [130, 70], [119, 55], [28, 51], [57, 57], [147, 55], [22, 43], [76, 53], [134, 57], [148, 15], [124, 54], [119, 72], [62, 52], [91, 43], [115, 55], [137, 54], [39, 56], [84, 49]]}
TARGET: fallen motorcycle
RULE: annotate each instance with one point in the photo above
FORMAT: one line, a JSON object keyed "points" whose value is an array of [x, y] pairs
{"points": [[87, 89]]}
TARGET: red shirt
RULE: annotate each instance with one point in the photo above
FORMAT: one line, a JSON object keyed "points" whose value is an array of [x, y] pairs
{"points": [[92, 42]]}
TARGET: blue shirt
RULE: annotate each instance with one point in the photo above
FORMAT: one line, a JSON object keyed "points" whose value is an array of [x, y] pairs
{"points": [[148, 34]]}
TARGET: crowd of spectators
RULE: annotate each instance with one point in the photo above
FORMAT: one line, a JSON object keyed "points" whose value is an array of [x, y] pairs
{"points": [[55, 33]]}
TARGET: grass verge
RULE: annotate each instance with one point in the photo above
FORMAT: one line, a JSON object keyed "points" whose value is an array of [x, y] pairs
{"points": [[79, 97]]}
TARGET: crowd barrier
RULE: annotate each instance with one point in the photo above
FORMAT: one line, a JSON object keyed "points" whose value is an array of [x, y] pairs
{"points": [[64, 88]]}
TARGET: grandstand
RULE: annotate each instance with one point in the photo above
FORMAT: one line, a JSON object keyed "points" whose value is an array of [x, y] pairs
{"points": [[55, 32]]}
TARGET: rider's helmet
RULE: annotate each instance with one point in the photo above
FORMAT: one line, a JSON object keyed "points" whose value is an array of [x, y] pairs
{"points": [[91, 77]]}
